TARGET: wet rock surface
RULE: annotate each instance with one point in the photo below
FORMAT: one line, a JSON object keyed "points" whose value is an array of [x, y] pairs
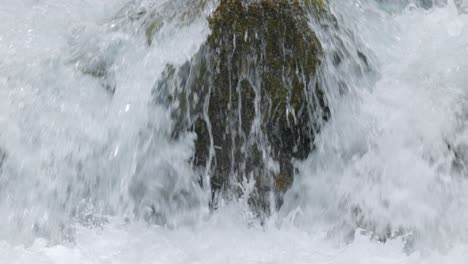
{"points": [[251, 95]]}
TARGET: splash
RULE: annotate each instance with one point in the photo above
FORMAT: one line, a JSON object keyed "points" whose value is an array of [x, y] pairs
{"points": [[394, 163], [86, 157]]}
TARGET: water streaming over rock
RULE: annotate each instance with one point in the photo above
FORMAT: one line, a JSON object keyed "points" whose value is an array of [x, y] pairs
{"points": [[99, 161]]}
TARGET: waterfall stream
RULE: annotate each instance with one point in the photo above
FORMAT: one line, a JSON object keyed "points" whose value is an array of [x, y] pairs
{"points": [[91, 172]]}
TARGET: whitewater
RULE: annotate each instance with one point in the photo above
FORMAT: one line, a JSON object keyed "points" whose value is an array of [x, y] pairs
{"points": [[394, 154]]}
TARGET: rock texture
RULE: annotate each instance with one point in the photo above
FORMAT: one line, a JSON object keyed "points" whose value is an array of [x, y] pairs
{"points": [[251, 95]]}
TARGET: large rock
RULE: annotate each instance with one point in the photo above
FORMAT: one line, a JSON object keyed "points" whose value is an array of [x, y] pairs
{"points": [[251, 94]]}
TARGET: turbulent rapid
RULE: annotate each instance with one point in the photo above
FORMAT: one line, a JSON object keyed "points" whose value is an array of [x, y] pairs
{"points": [[109, 154]]}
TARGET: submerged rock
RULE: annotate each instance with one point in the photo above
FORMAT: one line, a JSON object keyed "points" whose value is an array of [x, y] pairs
{"points": [[96, 56], [462, 6], [251, 94], [178, 12], [161, 194], [393, 6], [3, 157], [431, 3]]}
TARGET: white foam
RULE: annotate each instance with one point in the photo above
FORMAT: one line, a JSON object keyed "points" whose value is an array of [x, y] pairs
{"points": [[388, 149]]}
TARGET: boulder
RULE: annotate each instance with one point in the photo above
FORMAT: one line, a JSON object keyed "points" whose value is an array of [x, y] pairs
{"points": [[251, 95]]}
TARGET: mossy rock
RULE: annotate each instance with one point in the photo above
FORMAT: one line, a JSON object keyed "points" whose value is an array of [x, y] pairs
{"points": [[251, 94]]}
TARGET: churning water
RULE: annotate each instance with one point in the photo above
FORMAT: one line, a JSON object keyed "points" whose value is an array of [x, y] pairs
{"points": [[82, 148]]}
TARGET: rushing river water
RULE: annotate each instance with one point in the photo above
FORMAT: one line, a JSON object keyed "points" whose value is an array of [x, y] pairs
{"points": [[386, 183]]}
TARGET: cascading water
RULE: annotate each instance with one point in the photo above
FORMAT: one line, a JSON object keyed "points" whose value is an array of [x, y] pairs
{"points": [[90, 171], [395, 163]]}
